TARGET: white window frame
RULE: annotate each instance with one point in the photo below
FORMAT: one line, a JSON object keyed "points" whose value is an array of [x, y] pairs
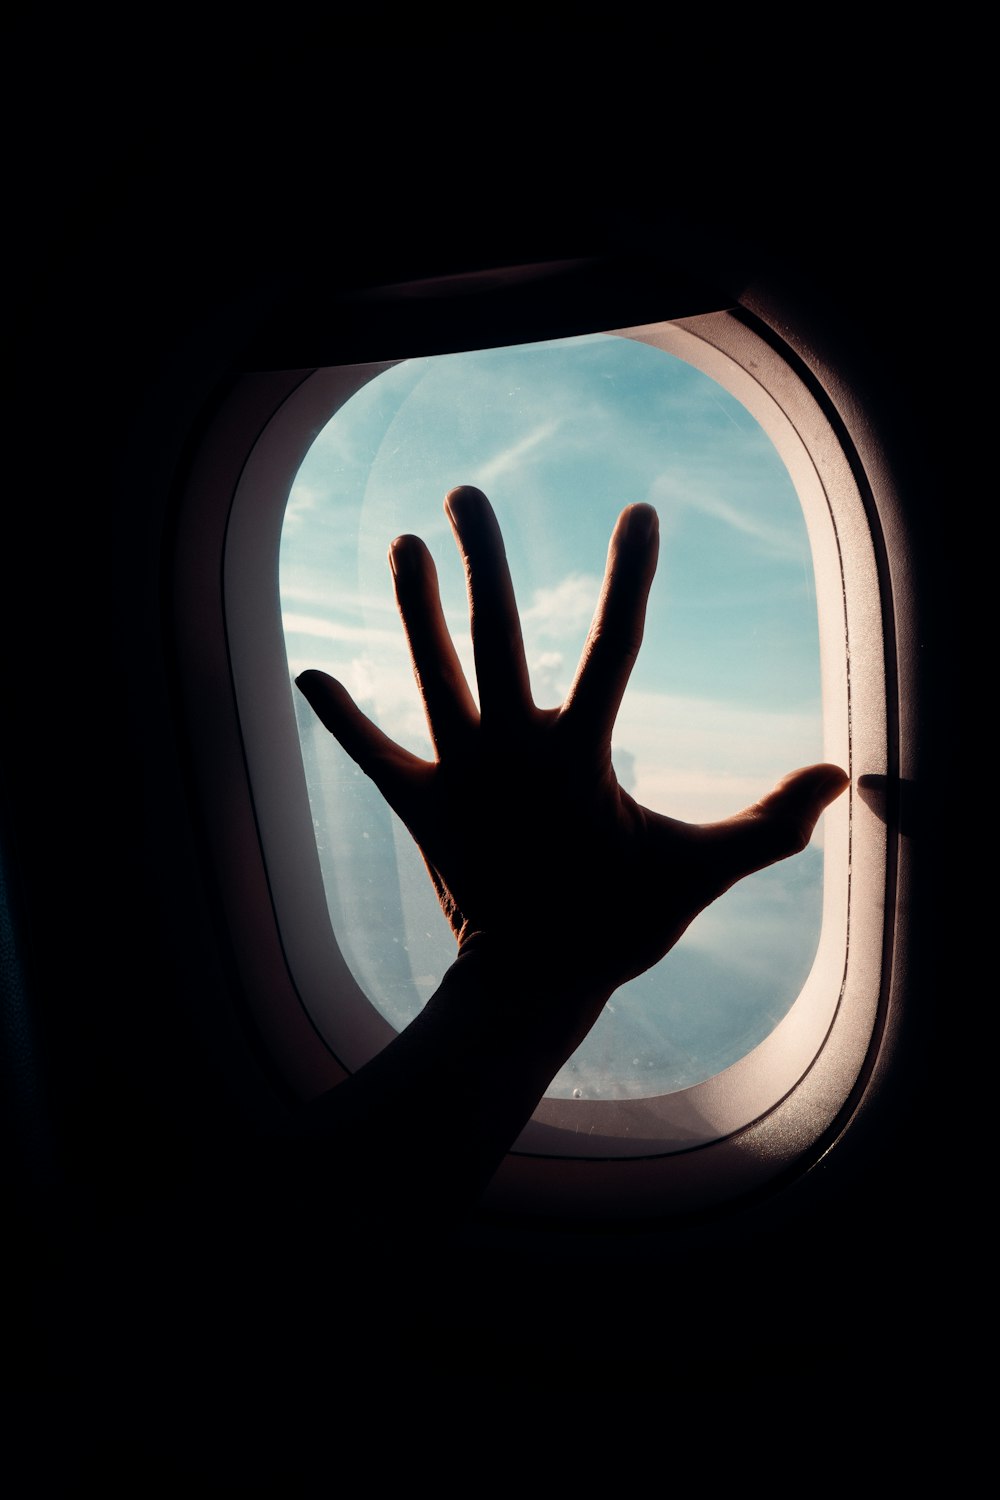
{"points": [[728, 1136]]}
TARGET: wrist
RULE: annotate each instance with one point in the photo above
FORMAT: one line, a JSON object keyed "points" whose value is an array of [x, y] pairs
{"points": [[532, 999]]}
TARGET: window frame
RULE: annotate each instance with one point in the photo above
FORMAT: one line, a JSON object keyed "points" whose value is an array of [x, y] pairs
{"points": [[771, 1111]]}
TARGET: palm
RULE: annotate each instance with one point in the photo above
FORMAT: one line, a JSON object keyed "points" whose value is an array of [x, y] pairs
{"points": [[525, 831]]}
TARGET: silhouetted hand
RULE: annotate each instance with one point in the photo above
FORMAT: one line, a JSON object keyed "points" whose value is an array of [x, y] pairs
{"points": [[530, 841]]}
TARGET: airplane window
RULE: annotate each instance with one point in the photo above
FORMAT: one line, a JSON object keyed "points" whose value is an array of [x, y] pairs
{"points": [[726, 696], [765, 649]]}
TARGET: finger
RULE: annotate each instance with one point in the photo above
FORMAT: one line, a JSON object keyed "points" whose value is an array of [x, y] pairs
{"points": [[393, 769], [449, 705], [501, 670], [781, 824], [616, 632]]}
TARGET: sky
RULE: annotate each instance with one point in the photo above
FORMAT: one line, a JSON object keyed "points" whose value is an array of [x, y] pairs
{"points": [[725, 697]]}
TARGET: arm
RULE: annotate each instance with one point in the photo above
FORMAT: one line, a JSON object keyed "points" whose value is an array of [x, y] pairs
{"points": [[558, 886]]}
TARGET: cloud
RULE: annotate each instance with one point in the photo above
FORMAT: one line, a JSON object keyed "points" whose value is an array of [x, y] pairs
{"points": [[549, 678], [308, 586], [702, 760], [302, 499], [672, 492], [566, 607], [511, 458], [323, 628], [624, 764]]}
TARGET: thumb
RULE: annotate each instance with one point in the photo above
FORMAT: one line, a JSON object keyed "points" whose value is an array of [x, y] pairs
{"points": [[392, 768], [782, 823]]}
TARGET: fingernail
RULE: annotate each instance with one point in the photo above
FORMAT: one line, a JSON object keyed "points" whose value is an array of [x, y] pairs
{"points": [[641, 525], [403, 557], [305, 682], [463, 497]]}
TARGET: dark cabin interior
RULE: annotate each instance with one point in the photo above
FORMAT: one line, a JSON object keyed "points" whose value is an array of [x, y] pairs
{"points": [[178, 228]]}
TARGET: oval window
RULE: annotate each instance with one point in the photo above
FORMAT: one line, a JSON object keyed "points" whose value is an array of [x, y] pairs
{"points": [[725, 698]]}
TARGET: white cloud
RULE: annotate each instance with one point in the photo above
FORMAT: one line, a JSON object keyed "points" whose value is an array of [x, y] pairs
{"points": [[302, 499], [511, 458], [565, 609], [550, 679], [322, 627], [703, 760], [672, 492]]}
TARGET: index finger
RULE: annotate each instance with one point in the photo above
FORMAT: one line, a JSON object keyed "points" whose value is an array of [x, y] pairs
{"points": [[615, 636]]}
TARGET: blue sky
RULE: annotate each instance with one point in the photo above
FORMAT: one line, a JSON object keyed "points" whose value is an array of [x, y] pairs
{"points": [[725, 697]]}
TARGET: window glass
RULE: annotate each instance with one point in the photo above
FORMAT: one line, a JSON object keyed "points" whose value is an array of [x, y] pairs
{"points": [[725, 697]]}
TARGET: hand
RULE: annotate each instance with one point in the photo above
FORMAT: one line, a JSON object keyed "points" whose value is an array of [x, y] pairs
{"points": [[531, 843]]}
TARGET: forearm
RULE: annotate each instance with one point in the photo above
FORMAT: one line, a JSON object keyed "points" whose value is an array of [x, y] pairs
{"points": [[432, 1116]]}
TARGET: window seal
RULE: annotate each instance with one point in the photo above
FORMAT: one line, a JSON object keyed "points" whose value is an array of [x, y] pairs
{"points": [[788, 1130]]}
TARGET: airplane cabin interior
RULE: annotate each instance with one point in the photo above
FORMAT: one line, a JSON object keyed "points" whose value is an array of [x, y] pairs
{"points": [[185, 251]]}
